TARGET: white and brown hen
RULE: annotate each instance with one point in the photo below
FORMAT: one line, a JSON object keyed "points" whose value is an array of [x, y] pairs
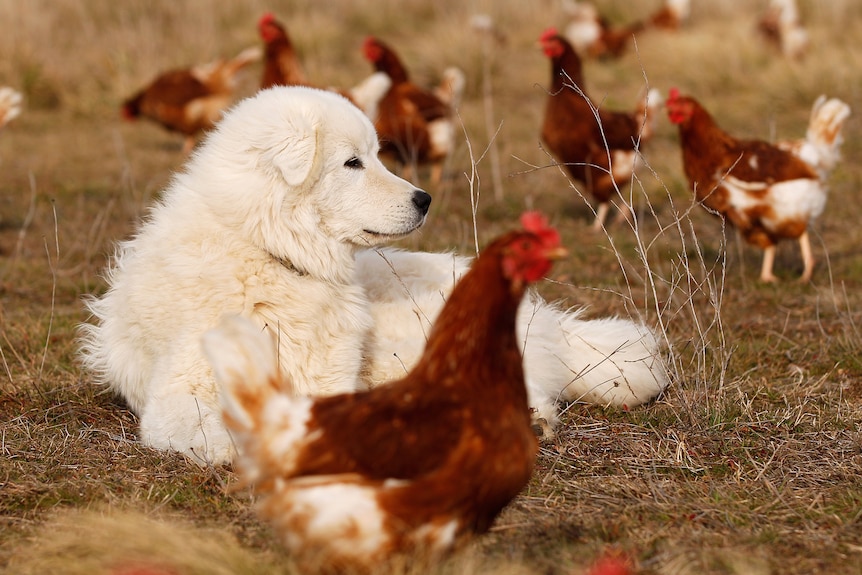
{"points": [[767, 193], [782, 27], [598, 147]]}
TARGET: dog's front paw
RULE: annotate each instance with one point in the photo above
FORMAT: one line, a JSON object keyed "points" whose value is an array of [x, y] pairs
{"points": [[189, 426]]}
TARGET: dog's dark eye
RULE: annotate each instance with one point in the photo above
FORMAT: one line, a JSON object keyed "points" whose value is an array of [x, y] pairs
{"points": [[354, 163]]}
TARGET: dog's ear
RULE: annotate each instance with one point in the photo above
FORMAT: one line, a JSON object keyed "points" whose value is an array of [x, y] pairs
{"points": [[298, 160], [296, 157]]}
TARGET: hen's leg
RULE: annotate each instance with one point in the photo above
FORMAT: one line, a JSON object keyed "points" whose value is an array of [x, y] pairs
{"points": [[807, 258], [189, 145], [766, 274], [408, 172], [601, 216], [437, 173]]}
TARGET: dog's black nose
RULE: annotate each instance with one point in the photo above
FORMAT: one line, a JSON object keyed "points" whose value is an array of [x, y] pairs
{"points": [[421, 200]]}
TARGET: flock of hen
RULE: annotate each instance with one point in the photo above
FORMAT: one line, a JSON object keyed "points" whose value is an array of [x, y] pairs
{"points": [[414, 124], [767, 191]]}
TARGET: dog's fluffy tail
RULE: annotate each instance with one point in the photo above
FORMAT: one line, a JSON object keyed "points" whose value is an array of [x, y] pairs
{"points": [[618, 362], [609, 361]]}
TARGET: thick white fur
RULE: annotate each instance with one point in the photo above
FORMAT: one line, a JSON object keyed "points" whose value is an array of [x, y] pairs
{"points": [[267, 222], [264, 222]]}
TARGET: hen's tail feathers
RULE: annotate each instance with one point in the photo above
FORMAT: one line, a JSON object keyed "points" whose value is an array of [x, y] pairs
{"points": [[584, 28], [794, 41], [244, 363], [10, 105], [648, 111], [825, 128], [451, 88], [223, 71], [368, 93], [268, 425], [821, 148], [244, 58]]}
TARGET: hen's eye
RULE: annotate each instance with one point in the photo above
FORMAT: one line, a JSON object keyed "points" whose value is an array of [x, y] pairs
{"points": [[354, 163]]}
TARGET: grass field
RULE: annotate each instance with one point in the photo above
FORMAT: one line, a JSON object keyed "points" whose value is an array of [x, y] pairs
{"points": [[750, 463]]}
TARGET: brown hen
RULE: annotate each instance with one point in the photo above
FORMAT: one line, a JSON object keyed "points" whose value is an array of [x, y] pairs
{"points": [[281, 64], [598, 147], [414, 124], [411, 467], [190, 100]]}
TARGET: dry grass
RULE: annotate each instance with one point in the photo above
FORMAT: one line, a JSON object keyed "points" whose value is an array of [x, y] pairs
{"points": [[751, 463]]}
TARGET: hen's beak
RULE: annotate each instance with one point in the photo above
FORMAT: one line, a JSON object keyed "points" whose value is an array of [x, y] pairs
{"points": [[556, 253]]}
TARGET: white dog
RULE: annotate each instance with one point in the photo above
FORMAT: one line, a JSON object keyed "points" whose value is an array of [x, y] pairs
{"points": [[272, 219]]}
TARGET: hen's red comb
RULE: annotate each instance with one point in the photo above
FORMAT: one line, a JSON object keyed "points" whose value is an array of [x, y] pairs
{"points": [[673, 95], [536, 223], [267, 18], [548, 34], [370, 49]]}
